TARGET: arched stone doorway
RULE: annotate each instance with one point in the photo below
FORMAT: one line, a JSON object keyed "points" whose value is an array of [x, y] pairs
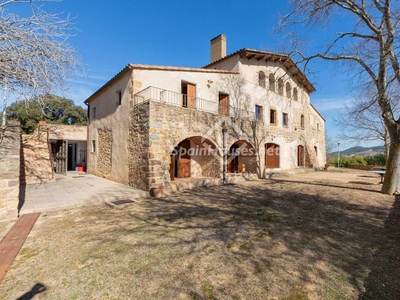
{"points": [[241, 157], [272, 156], [195, 157]]}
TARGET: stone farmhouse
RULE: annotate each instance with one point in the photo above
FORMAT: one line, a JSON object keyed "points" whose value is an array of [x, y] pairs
{"points": [[247, 112]]}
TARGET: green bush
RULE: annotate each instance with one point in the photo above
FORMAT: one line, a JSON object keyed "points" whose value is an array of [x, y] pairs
{"points": [[345, 161]]}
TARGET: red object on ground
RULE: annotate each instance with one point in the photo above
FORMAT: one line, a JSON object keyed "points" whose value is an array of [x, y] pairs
{"points": [[14, 240]]}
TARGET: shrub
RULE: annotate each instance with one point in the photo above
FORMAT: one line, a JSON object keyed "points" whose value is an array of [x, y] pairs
{"points": [[376, 160]]}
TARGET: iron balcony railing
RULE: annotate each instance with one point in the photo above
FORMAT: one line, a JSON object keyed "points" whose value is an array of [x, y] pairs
{"points": [[182, 100]]}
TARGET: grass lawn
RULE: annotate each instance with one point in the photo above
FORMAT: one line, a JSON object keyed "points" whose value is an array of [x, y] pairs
{"points": [[319, 235]]}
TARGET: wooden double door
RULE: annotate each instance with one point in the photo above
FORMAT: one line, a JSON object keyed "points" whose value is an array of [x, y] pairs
{"points": [[60, 156], [272, 156]]}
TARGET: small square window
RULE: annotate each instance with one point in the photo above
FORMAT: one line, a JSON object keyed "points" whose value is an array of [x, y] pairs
{"points": [[119, 98], [259, 112], [93, 146], [272, 116], [285, 120], [93, 113]]}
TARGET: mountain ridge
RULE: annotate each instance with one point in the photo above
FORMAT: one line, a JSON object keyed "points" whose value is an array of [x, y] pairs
{"points": [[359, 150]]}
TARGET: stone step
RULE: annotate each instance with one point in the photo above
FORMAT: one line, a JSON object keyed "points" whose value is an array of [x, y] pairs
{"points": [[195, 183]]}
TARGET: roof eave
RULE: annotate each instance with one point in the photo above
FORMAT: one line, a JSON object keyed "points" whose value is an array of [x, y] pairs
{"points": [[259, 55], [318, 112], [108, 83]]}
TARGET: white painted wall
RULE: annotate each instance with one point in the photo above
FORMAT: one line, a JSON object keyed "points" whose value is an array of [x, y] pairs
{"points": [[110, 116]]}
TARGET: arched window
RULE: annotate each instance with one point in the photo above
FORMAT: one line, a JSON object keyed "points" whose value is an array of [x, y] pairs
{"points": [[302, 121], [295, 95], [271, 82], [280, 86], [261, 79], [288, 90]]}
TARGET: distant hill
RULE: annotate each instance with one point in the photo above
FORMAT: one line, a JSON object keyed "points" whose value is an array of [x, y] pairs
{"points": [[358, 150]]}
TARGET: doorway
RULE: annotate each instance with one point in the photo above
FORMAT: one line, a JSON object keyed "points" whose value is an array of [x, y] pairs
{"points": [[272, 156], [300, 156], [180, 161], [223, 104], [188, 95], [233, 165]]}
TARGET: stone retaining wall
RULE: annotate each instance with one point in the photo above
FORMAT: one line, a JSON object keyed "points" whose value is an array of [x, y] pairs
{"points": [[9, 169], [361, 167], [36, 163]]}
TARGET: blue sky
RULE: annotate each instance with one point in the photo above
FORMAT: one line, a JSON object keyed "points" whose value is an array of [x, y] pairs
{"points": [[177, 33]]}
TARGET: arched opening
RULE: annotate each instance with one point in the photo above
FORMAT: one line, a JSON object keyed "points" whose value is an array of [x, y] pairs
{"points": [[280, 86], [241, 157], [302, 121], [300, 156], [288, 90], [272, 155], [295, 94], [271, 80], [261, 79], [194, 157]]}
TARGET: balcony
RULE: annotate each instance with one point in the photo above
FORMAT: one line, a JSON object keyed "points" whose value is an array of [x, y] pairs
{"points": [[172, 98]]}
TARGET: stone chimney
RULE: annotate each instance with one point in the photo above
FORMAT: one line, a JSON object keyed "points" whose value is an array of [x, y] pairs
{"points": [[218, 48]]}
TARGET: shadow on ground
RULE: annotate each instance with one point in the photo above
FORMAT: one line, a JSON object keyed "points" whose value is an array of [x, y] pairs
{"points": [[270, 239], [323, 244], [383, 280], [36, 289]]}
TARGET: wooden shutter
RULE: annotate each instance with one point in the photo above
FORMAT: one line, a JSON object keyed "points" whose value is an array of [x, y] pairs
{"points": [[300, 156], [224, 104], [191, 95]]}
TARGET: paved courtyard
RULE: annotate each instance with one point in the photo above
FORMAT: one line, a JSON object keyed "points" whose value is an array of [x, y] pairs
{"points": [[75, 190]]}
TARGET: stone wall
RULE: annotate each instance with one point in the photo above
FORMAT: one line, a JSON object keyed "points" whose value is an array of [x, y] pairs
{"points": [[362, 167], [140, 168], [64, 132], [308, 136], [10, 140], [36, 161], [105, 152], [157, 128], [166, 126]]}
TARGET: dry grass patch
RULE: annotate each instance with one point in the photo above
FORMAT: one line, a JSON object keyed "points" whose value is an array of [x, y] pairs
{"points": [[287, 238]]}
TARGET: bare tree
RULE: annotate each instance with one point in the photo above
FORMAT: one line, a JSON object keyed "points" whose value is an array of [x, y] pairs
{"points": [[369, 48], [35, 58], [329, 145], [362, 123]]}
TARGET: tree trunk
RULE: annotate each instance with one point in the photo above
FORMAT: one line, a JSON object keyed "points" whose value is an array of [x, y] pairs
{"points": [[386, 145], [392, 176]]}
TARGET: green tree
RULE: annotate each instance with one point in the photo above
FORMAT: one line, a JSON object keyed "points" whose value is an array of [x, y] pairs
{"points": [[52, 109], [35, 56]]}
